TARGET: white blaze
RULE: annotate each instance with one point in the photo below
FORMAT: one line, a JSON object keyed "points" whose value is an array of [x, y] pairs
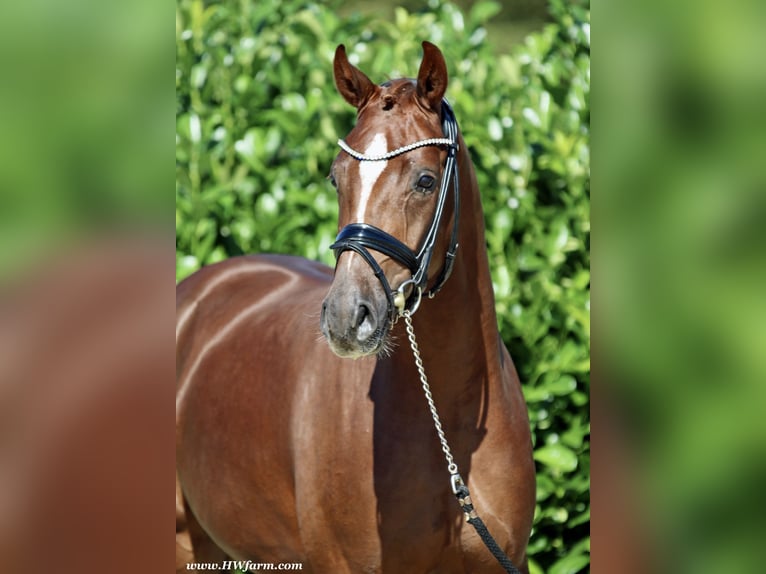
{"points": [[369, 172]]}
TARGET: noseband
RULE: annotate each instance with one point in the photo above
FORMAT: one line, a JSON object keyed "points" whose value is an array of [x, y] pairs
{"points": [[361, 237]]}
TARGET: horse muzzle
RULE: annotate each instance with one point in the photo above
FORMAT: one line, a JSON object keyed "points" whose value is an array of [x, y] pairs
{"points": [[355, 321]]}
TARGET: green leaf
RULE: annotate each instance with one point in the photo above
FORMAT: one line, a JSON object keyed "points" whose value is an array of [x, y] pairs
{"points": [[562, 385], [557, 456], [571, 564], [481, 12]]}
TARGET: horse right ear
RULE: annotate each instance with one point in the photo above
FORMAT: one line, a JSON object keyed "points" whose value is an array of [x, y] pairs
{"points": [[353, 85]]}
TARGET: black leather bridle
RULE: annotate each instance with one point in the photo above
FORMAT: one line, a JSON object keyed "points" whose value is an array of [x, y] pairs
{"points": [[361, 237]]}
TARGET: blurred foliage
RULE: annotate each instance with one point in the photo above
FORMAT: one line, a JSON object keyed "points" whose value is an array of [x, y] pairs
{"points": [[682, 311], [81, 143], [257, 120]]}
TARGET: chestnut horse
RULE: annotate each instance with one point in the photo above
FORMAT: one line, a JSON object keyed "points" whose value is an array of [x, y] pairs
{"points": [[295, 449]]}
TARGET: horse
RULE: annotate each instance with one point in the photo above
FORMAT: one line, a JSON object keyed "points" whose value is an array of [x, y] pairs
{"points": [[303, 434]]}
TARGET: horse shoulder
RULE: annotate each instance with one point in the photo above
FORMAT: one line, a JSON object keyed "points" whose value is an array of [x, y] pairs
{"points": [[236, 321]]}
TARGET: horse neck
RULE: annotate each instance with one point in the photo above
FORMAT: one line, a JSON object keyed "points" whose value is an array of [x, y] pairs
{"points": [[457, 329]]}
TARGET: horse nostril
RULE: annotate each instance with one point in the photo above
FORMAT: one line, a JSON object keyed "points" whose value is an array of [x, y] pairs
{"points": [[362, 315], [365, 323]]}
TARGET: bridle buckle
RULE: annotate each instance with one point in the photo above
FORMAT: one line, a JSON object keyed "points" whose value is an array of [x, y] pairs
{"points": [[400, 298]]}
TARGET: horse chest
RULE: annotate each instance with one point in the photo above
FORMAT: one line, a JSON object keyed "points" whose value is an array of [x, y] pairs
{"points": [[372, 494]]}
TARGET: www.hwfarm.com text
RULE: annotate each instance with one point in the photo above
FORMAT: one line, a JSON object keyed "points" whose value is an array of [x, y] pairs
{"points": [[244, 565]]}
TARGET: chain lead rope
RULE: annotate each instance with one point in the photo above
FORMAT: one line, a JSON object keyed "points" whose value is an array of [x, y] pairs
{"points": [[451, 466], [459, 488]]}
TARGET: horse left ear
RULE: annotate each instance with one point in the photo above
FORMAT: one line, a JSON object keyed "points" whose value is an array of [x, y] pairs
{"points": [[353, 85], [432, 77]]}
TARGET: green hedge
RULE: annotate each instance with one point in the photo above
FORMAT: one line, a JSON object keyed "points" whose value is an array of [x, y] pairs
{"points": [[257, 121]]}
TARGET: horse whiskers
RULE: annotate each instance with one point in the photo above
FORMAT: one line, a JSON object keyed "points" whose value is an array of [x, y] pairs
{"points": [[315, 318], [387, 347], [313, 315]]}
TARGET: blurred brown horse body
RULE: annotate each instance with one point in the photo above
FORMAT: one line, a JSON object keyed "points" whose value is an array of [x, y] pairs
{"points": [[287, 452]]}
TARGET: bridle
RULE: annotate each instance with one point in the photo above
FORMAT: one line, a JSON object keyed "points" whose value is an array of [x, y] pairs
{"points": [[361, 237]]}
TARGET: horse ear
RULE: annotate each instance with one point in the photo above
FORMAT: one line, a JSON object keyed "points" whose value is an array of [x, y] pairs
{"points": [[432, 77], [353, 85]]}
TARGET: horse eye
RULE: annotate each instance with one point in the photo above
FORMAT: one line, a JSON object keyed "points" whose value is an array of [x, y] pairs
{"points": [[334, 183], [425, 183]]}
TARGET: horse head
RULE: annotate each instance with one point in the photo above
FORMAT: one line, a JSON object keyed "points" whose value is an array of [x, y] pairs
{"points": [[392, 177]]}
